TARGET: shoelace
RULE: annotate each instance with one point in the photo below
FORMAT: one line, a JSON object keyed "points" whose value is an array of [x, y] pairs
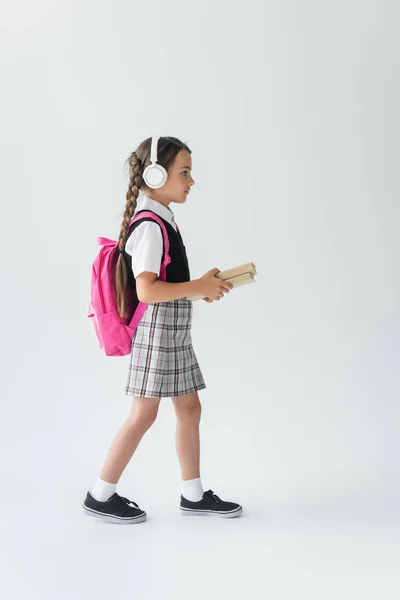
{"points": [[125, 501], [210, 494]]}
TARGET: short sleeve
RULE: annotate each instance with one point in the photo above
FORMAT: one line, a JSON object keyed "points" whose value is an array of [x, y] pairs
{"points": [[145, 245]]}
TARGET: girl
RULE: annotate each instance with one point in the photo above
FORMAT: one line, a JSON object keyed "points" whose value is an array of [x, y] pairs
{"points": [[163, 362]]}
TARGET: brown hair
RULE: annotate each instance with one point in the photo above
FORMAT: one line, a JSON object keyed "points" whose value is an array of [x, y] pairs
{"points": [[167, 151]]}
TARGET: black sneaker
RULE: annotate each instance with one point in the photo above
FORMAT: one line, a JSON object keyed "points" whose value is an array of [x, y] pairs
{"points": [[211, 506], [116, 509]]}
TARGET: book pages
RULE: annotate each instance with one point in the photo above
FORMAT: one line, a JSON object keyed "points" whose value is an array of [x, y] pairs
{"points": [[246, 268]]}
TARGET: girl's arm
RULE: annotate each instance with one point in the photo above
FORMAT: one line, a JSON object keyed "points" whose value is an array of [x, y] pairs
{"points": [[150, 290]]}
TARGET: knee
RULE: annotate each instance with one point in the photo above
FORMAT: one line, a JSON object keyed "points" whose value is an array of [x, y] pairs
{"points": [[190, 412], [143, 414], [143, 420]]}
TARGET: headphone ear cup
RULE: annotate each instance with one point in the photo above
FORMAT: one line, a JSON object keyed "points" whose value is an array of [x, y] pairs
{"points": [[155, 176]]}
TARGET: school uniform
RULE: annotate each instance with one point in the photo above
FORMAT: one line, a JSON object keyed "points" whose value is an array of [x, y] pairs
{"points": [[163, 362]]}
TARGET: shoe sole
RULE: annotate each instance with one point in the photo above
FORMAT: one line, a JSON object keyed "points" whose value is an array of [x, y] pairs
{"points": [[210, 513], [112, 518]]}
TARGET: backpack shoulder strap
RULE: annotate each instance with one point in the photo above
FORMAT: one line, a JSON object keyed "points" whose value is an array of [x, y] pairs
{"points": [[154, 217]]}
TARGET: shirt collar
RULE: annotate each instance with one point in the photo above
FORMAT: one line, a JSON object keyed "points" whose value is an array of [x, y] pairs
{"points": [[145, 203]]}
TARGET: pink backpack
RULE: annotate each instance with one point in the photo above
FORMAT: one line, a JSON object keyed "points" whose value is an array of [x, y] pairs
{"points": [[114, 333]]}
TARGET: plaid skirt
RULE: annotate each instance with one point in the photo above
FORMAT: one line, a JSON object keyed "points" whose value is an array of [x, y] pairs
{"points": [[163, 362]]}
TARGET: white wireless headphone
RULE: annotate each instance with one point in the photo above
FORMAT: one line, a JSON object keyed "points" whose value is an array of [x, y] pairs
{"points": [[154, 175]]}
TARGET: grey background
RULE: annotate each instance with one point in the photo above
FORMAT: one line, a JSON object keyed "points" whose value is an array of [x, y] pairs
{"points": [[291, 111]]}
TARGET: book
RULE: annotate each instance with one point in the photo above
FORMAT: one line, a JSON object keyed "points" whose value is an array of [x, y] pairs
{"points": [[237, 276]]}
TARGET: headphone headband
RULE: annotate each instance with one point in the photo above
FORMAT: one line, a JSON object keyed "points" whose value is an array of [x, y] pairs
{"points": [[153, 152]]}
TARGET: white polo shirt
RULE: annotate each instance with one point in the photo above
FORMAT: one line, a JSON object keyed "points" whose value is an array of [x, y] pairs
{"points": [[145, 244]]}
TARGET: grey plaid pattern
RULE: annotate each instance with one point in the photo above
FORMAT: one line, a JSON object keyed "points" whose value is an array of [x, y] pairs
{"points": [[163, 363]]}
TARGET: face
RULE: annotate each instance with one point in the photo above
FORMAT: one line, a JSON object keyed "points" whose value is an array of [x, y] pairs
{"points": [[179, 181]]}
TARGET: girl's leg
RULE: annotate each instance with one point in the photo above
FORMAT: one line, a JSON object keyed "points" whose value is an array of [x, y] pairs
{"points": [[188, 412], [142, 416]]}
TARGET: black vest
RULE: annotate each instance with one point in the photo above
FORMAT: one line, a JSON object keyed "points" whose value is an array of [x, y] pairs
{"points": [[178, 269]]}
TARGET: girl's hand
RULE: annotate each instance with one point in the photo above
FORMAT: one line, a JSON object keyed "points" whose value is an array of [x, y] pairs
{"points": [[212, 287], [208, 299]]}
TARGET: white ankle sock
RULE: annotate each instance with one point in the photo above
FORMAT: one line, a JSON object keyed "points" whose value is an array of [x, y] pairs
{"points": [[103, 490], [192, 489]]}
